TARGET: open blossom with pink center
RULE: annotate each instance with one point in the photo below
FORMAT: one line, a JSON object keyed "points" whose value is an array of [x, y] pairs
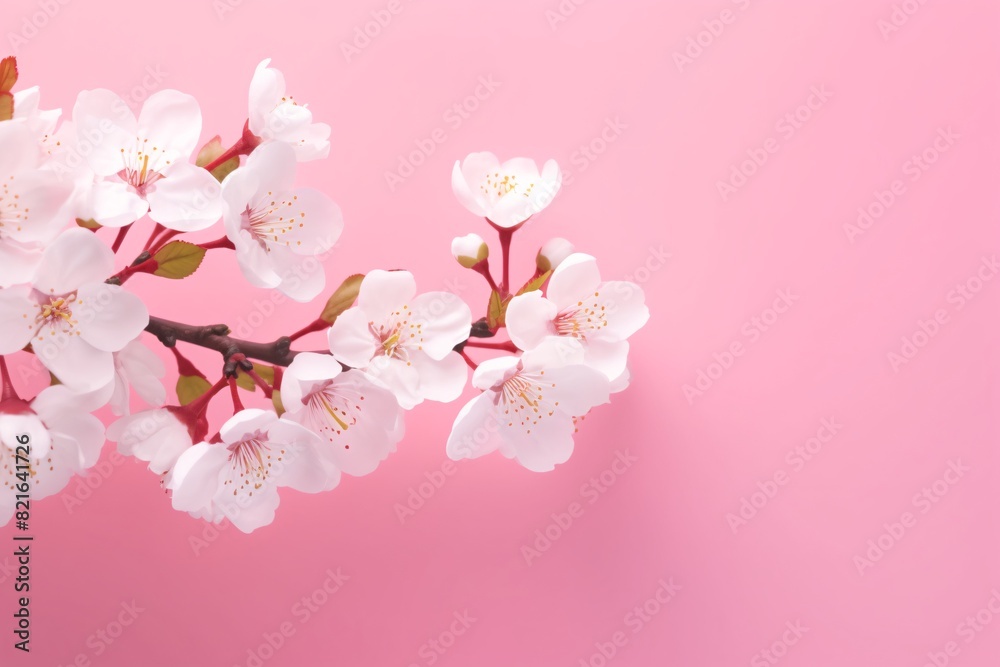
{"points": [[144, 162], [238, 478], [276, 116], [32, 203], [404, 340], [277, 229], [65, 440], [72, 318], [578, 305], [528, 406], [505, 193], [359, 419]]}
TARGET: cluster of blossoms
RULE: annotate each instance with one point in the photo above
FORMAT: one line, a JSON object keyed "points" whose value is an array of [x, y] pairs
{"points": [[63, 182]]}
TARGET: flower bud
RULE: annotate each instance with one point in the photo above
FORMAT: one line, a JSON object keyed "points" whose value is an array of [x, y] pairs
{"points": [[469, 250], [552, 254]]}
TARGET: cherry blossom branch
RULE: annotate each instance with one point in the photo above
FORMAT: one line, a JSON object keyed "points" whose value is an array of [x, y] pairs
{"points": [[235, 351]]}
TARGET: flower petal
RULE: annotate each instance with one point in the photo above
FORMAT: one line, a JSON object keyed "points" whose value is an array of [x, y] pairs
{"points": [[530, 319], [351, 340], [75, 258], [305, 374], [475, 431], [440, 380], [548, 443], [171, 121], [384, 292], [626, 309], [17, 312], [576, 280], [78, 364], [187, 198], [195, 477], [109, 317], [104, 126], [445, 322]]}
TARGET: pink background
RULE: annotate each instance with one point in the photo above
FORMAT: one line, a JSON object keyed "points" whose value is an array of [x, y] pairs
{"points": [[654, 187]]}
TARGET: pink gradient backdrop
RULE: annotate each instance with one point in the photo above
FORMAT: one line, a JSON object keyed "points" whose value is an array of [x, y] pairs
{"points": [[653, 187]]}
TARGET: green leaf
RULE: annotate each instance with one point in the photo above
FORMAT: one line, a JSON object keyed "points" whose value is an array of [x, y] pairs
{"points": [[212, 150], [6, 106], [343, 298], [8, 73], [276, 401], [178, 259], [496, 311], [534, 284], [88, 224], [190, 387], [244, 381]]}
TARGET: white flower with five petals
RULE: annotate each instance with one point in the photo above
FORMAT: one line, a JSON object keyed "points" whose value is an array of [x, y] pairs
{"points": [[528, 406], [360, 419], [506, 194], [238, 478], [276, 228], [276, 116], [144, 162], [404, 340], [72, 318], [578, 306]]}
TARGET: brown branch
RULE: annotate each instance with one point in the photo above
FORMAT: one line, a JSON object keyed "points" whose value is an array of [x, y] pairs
{"points": [[216, 337]]}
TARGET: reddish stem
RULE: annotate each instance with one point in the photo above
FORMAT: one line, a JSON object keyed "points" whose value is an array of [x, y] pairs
{"points": [[243, 146], [152, 236], [122, 233], [234, 390], [503, 345], [261, 382], [148, 266], [473, 365], [184, 366], [505, 236], [162, 241], [483, 269], [318, 325], [198, 405], [223, 242]]}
